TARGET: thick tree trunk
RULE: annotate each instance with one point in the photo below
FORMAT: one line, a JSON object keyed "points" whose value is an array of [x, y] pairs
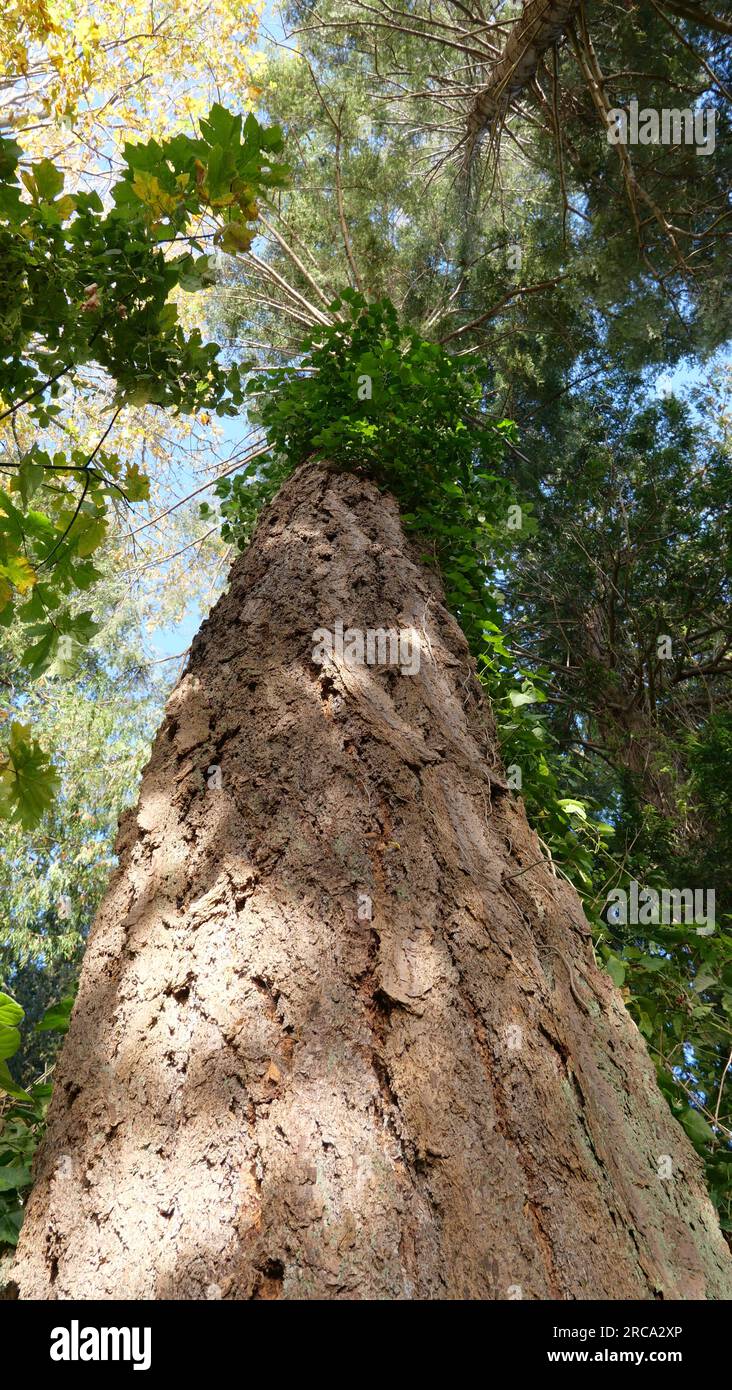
{"points": [[266, 1094]]}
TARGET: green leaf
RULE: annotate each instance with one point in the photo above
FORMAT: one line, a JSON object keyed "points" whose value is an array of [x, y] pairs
{"points": [[699, 1132], [11, 1013], [136, 484], [48, 179], [81, 627], [11, 1178], [85, 574], [28, 780], [222, 128], [7, 1084], [29, 477], [237, 236], [89, 536], [522, 697], [654, 962], [200, 274], [10, 1224], [20, 573], [56, 1017], [616, 970], [9, 1042], [38, 657]]}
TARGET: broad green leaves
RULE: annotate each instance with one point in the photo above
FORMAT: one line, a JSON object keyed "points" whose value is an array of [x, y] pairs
{"points": [[380, 397], [56, 1017], [223, 174], [7, 1083], [11, 1015], [88, 285], [11, 1178], [23, 1119], [43, 181], [83, 283], [616, 970], [28, 782]]}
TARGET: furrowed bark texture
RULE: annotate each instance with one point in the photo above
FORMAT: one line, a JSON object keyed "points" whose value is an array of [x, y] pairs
{"points": [[541, 24], [264, 1095]]}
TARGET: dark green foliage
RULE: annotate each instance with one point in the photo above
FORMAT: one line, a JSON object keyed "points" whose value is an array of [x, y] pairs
{"points": [[632, 547], [23, 1115], [373, 397], [85, 284]]}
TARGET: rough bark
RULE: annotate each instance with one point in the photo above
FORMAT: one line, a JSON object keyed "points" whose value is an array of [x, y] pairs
{"points": [[263, 1095], [541, 24]]}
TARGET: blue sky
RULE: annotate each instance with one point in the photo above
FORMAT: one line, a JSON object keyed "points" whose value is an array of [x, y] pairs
{"points": [[177, 638]]}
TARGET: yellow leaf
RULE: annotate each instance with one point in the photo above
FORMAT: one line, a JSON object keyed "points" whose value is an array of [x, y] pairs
{"points": [[21, 575], [236, 236], [152, 194]]}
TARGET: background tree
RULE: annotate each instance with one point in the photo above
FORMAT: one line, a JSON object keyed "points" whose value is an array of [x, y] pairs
{"points": [[552, 306], [546, 81]]}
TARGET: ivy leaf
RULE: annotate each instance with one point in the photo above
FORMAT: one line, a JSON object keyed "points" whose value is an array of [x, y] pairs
{"points": [[572, 807], [520, 697], [530, 696], [699, 1132], [653, 962], [56, 1017], [13, 1177], [10, 1224], [616, 970]]}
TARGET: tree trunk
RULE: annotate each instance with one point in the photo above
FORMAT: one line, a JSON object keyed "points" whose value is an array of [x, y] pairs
{"points": [[635, 746], [541, 24], [266, 1094]]}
